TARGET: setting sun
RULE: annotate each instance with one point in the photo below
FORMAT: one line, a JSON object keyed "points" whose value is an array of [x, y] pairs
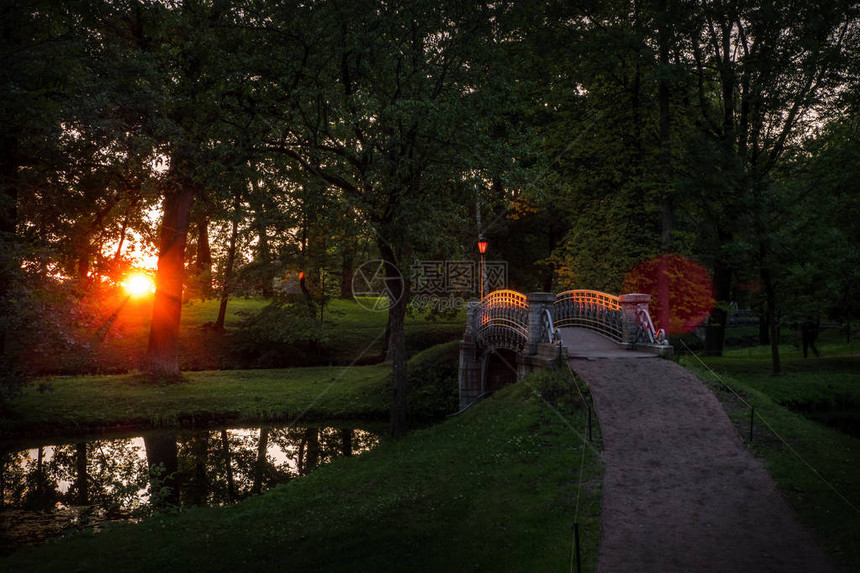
{"points": [[138, 285]]}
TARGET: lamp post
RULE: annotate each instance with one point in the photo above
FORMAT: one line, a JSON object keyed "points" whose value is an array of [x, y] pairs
{"points": [[482, 248]]}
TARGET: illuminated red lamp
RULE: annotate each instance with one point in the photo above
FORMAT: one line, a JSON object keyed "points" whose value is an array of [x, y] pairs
{"points": [[301, 275], [482, 245]]}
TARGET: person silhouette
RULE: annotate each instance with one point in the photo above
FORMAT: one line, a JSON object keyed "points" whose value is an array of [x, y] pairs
{"points": [[809, 333]]}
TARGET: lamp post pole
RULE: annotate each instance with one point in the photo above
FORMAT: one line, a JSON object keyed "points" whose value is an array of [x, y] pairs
{"points": [[482, 248]]}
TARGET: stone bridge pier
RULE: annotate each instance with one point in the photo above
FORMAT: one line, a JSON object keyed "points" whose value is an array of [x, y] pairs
{"points": [[535, 351]]}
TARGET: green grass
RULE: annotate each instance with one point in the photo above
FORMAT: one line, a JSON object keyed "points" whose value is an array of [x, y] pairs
{"points": [[807, 385], [352, 329], [196, 313], [352, 334], [494, 489], [826, 387], [830, 341], [62, 404]]}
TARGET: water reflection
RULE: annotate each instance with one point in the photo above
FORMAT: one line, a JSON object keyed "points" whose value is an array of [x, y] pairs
{"points": [[50, 490]]}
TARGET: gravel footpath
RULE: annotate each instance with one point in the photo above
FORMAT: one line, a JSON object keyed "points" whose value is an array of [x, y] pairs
{"points": [[680, 492]]}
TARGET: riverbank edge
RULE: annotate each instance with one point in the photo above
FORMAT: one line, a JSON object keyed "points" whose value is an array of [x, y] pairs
{"points": [[510, 468]]}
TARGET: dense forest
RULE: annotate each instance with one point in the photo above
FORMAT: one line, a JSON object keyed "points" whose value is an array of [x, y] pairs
{"points": [[245, 141]]}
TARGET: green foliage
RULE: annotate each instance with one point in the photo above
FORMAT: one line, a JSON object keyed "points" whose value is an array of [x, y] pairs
{"points": [[280, 331], [433, 383], [12, 381]]}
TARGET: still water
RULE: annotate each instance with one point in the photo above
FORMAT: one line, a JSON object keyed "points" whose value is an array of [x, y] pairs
{"points": [[52, 489]]}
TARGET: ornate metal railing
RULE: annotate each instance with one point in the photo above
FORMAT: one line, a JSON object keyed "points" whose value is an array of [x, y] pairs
{"points": [[549, 332], [503, 320], [591, 309], [645, 330]]}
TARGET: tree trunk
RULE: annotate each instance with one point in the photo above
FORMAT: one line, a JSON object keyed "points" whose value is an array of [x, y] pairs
{"points": [[346, 436], [664, 316], [197, 486], [260, 465], [82, 496], [398, 291], [549, 273], [313, 450], [228, 272], [228, 466], [770, 309], [122, 232], [162, 358], [83, 268], [262, 253], [715, 333], [162, 455], [763, 329], [203, 262], [346, 271], [264, 259]]}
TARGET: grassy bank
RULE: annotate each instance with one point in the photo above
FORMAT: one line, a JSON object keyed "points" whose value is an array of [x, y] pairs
{"points": [[70, 403], [350, 333], [495, 489], [788, 404], [65, 404]]}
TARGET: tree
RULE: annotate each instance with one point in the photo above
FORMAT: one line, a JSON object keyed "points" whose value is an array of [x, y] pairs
{"points": [[204, 136], [762, 72], [608, 103], [821, 181], [39, 54], [392, 105]]}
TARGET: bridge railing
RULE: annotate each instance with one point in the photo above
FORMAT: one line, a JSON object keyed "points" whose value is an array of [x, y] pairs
{"points": [[502, 320], [641, 326], [509, 319], [591, 309]]}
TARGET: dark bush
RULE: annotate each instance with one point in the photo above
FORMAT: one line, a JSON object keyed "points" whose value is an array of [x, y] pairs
{"points": [[433, 382], [282, 334]]}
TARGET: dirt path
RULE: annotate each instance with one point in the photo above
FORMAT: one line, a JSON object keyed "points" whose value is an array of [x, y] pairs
{"points": [[680, 491]]}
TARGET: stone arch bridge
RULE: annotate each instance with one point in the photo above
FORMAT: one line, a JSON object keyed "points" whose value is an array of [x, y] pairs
{"points": [[510, 334]]}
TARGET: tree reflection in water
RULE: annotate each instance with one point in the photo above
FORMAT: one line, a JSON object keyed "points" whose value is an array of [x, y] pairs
{"points": [[53, 489]]}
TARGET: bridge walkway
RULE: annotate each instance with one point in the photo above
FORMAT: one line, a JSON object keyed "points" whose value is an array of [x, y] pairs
{"points": [[680, 491], [585, 344]]}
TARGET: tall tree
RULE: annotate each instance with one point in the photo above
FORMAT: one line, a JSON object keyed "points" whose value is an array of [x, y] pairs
{"points": [[200, 55], [40, 57], [762, 72], [392, 105]]}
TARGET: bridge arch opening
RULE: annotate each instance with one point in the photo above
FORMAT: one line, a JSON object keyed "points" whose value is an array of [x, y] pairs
{"points": [[499, 369]]}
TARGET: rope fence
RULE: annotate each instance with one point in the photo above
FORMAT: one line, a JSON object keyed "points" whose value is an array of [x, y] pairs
{"points": [[586, 438], [756, 415]]}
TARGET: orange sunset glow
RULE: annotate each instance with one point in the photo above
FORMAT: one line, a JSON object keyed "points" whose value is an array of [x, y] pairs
{"points": [[138, 285]]}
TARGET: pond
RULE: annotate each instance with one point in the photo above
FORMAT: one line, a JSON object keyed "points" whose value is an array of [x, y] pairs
{"points": [[48, 490]]}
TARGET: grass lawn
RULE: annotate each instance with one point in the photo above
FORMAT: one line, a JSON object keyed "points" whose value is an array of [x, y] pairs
{"points": [[792, 405], [75, 404], [353, 334], [349, 326], [69, 403], [494, 489]]}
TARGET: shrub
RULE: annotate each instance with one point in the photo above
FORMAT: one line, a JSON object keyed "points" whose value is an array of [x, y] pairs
{"points": [[433, 382], [281, 334]]}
